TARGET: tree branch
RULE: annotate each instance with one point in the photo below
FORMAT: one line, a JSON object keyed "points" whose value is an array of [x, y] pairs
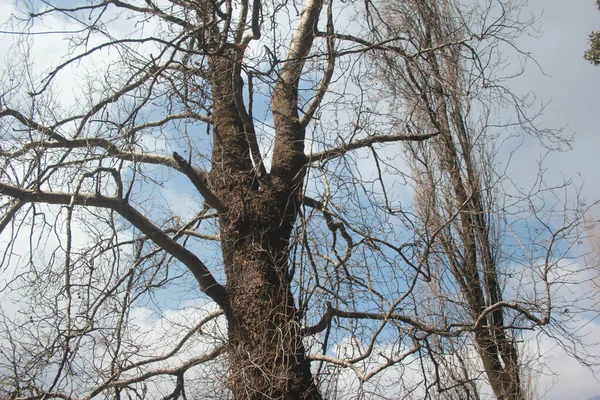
{"points": [[334, 312], [344, 148], [167, 371], [31, 124], [288, 150], [207, 282], [198, 182], [197, 176], [153, 11], [328, 74]]}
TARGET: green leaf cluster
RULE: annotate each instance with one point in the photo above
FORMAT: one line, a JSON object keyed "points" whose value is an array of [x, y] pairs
{"points": [[593, 53]]}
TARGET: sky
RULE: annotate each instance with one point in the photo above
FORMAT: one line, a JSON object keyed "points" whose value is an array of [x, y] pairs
{"points": [[571, 88], [569, 83]]}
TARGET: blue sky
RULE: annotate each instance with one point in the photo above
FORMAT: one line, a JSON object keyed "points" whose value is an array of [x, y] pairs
{"points": [[569, 84]]}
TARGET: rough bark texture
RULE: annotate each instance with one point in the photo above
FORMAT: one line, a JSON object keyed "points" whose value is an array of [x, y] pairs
{"points": [[266, 353], [265, 347]]}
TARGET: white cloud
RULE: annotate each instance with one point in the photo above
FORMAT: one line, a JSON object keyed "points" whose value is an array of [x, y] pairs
{"points": [[561, 376]]}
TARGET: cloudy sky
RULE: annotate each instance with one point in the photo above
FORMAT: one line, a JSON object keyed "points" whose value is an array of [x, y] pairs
{"points": [[571, 85]]}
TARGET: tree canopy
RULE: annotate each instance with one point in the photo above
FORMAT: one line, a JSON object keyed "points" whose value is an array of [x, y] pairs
{"points": [[274, 200]]}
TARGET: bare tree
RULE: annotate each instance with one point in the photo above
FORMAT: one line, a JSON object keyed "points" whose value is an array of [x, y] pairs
{"points": [[462, 214], [455, 197], [285, 207]]}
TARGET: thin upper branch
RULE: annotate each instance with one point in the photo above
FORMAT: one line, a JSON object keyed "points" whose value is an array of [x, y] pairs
{"points": [[198, 177], [153, 10], [328, 74], [7, 112], [366, 142]]}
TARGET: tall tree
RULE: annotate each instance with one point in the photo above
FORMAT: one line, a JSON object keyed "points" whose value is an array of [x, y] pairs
{"points": [[455, 188], [460, 207], [243, 149]]}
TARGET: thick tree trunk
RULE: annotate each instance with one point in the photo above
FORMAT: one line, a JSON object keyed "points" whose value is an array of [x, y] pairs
{"points": [[256, 214], [266, 353]]}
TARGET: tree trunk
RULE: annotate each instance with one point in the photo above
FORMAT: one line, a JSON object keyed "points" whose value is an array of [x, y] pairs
{"points": [[257, 214], [504, 379], [266, 353]]}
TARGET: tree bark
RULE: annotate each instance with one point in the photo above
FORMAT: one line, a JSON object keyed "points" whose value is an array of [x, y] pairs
{"points": [[266, 353]]}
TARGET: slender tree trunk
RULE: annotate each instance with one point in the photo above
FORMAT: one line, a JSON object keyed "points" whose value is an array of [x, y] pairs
{"points": [[468, 245], [504, 379], [475, 267]]}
